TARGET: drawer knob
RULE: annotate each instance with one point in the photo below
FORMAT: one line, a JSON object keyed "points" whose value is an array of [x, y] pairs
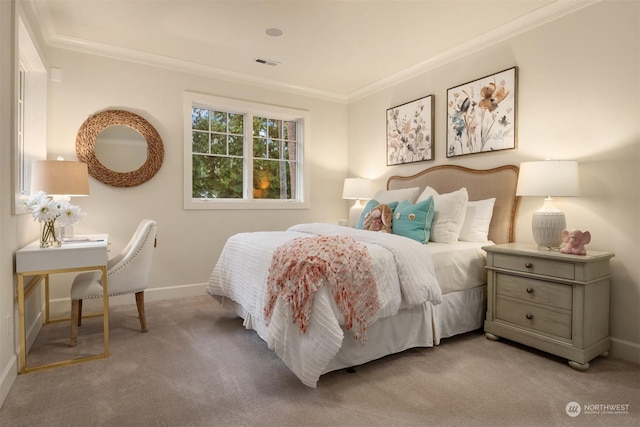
{"points": [[529, 316], [529, 290], [528, 265]]}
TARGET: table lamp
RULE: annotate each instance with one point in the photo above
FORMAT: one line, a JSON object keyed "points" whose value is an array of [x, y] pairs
{"points": [[356, 189], [61, 180], [548, 178]]}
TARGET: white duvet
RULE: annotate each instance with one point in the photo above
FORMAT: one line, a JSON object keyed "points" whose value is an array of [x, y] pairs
{"points": [[403, 269]]}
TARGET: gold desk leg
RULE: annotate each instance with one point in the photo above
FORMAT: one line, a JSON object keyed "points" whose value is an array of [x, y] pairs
{"points": [[105, 310], [46, 299], [23, 338]]}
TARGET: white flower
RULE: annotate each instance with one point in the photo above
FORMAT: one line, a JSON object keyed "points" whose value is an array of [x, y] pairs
{"points": [[69, 214], [45, 209]]}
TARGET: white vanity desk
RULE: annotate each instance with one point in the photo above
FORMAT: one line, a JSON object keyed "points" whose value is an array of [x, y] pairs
{"points": [[83, 253]]}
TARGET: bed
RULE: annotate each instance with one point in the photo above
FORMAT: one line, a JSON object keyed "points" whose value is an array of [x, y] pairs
{"points": [[426, 292]]}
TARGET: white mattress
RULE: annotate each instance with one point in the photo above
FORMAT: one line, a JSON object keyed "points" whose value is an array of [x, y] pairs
{"points": [[459, 265]]}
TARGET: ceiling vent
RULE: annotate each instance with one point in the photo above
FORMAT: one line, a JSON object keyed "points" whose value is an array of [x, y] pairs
{"points": [[266, 61]]}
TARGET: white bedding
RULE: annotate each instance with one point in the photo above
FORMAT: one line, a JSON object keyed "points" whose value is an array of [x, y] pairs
{"points": [[407, 274], [403, 272], [459, 266]]}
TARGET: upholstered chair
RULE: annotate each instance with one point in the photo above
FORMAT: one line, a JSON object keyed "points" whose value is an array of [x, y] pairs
{"points": [[127, 273]]}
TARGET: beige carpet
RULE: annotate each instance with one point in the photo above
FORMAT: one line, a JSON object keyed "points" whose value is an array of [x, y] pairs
{"points": [[199, 367]]}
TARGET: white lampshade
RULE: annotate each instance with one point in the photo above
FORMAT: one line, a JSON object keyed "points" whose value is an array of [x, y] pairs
{"points": [[548, 178], [356, 189], [60, 178], [551, 178]]}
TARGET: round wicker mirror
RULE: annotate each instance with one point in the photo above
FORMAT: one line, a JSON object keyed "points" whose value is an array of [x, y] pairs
{"points": [[86, 144]]}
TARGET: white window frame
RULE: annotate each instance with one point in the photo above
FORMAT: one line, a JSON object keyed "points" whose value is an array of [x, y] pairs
{"points": [[191, 99], [31, 115]]}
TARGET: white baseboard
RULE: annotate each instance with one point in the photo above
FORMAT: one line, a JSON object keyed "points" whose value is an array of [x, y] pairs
{"points": [[62, 306], [9, 375], [10, 371], [625, 350]]}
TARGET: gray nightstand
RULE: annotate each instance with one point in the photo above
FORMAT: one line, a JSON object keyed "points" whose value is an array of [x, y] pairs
{"points": [[554, 302]]}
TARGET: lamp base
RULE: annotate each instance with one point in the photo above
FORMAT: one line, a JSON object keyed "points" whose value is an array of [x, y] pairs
{"points": [[355, 212], [66, 231], [547, 229]]}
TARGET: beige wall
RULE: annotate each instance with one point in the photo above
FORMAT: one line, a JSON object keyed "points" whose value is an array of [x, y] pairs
{"points": [[15, 231], [189, 241], [578, 99], [7, 241]]}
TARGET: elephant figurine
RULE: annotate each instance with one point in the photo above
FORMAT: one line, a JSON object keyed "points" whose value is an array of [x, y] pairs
{"points": [[574, 241]]}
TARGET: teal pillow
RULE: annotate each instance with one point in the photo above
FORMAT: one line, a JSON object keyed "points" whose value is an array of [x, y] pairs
{"points": [[370, 205], [414, 221]]}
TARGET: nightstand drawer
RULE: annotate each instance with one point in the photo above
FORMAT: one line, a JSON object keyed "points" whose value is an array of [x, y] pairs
{"points": [[556, 269], [537, 318], [534, 291]]}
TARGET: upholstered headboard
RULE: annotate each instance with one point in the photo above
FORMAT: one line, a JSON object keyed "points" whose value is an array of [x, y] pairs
{"points": [[498, 182]]}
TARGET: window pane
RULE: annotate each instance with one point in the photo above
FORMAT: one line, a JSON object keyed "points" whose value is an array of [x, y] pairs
{"points": [[272, 180], [274, 128], [259, 127], [289, 150], [216, 177], [219, 122], [200, 142], [236, 124], [259, 147], [235, 145], [290, 130], [274, 149], [200, 118], [218, 144]]}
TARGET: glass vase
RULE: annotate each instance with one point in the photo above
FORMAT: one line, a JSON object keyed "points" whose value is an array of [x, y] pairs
{"points": [[50, 235]]}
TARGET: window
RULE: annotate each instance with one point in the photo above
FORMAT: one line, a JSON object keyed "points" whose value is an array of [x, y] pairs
{"points": [[31, 121], [243, 155]]}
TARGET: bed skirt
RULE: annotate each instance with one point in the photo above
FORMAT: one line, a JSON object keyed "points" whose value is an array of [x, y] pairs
{"points": [[423, 326]]}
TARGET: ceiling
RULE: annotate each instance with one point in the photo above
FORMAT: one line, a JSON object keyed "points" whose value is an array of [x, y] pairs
{"points": [[334, 49]]}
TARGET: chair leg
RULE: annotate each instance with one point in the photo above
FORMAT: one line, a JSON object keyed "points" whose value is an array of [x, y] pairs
{"points": [[141, 315], [79, 312], [75, 320]]}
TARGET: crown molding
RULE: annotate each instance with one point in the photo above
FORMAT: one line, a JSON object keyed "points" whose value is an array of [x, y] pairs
{"points": [[542, 16], [145, 58], [555, 10]]}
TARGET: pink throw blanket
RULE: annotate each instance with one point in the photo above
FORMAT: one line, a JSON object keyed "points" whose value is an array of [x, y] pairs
{"points": [[303, 265]]}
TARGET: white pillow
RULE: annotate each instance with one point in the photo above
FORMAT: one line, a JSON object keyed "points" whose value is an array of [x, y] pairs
{"points": [[451, 208], [476, 223], [388, 196]]}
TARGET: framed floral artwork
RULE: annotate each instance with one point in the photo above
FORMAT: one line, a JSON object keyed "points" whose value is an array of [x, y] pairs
{"points": [[410, 132], [481, 114]]}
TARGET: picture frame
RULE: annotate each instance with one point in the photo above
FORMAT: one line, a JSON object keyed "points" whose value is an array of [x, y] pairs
{"points": [[410, 131], [481, 114]]}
